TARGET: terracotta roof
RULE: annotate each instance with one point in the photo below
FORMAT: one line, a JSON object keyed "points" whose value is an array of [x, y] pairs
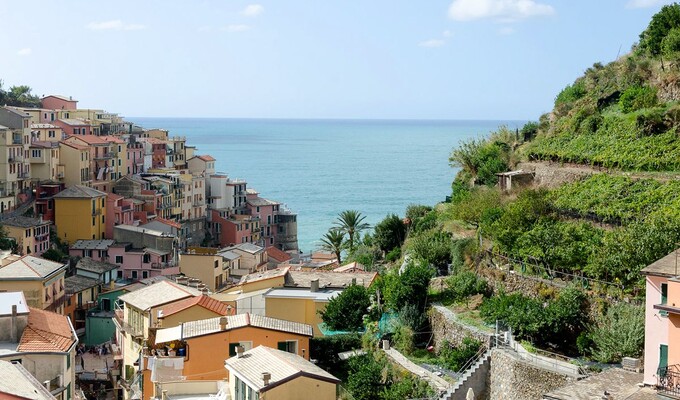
{"points": [[46, 331], [168, 222], [73, 145], [349, 267], [113, 139], [153, 140], [278, 254], [282, 365], [79, 192], [206, 158], [204, 301], [89, 139]]}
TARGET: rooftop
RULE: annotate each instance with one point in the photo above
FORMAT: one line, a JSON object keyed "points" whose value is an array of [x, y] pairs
{"points": [[77, 283], [9, 299], [47, 331], [619, 383], [23, 222], [329, 279], [18, 382], [79, 192], [212, 325], [157, 294], [204, 301], [349, 267], [206, 158], [89, 139], [667, 266], [260, 276], [322, 295], [30, 267], [74, 122], [138, 229], [261, 202], [99, 267], [228, 254], [282, 366], [247, 247], [277, 254], [44, 126], [103, 244], [56, 96]]}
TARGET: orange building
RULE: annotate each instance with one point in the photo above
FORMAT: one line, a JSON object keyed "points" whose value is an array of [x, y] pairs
{"points": [[196, 350]]}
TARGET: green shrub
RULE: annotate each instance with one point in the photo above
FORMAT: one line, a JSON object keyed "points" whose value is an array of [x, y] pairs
{"points": [[619, 333], [651, 122], [454, 358], [465, 284], [670, 45], [661, 25], [325, 350], [432, 247], [571, 93], [393, 255], [346, 311], [637, 97]]}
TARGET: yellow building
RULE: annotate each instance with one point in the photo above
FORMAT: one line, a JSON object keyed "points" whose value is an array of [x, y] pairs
{"points": [[32, 235], [80, 213], [209, 265], [74, 164], [299, 305], [266, 373], [42, 281], [119, 150], [44, 159]]}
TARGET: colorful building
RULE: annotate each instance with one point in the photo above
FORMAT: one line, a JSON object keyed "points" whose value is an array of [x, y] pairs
{"points": [[268, 373], [32, 235], [119, 211], [191, 309], [80, 214], [209, 265], [74, 161], [42, 281], [56, 102]]}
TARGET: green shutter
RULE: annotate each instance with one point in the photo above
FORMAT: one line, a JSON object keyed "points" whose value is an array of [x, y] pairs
{"points": [[68, 361], [663, 356], [664, 293], [232, 349]]}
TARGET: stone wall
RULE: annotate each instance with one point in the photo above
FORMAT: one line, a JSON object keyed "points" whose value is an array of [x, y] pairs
{"points": [[511, 378], [445, 326], [514, 282], [551, 175]]}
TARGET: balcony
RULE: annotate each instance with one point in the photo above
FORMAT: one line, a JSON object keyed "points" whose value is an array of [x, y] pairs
{"points": [[668, 381], [162, 265], [23, 175], [16, 159], [96, 212], [17, 140], [125, 327], [104, 156], [55, 385]]}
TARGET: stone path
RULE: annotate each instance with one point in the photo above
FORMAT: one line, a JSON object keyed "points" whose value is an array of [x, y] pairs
{"points": [[435, 381], [94, 365]]}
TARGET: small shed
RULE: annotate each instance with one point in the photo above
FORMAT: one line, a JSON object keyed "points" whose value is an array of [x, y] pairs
{"points": [[519, 177]]}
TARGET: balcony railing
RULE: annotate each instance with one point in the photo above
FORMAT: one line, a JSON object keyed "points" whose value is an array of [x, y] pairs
{"points": [[23, 175], [668, 381], [162, 265], [58, 302], [17, 140], [106, 155]]}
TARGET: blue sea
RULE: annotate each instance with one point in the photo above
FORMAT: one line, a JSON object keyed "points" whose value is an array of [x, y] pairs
{"points": [[319, 168]]}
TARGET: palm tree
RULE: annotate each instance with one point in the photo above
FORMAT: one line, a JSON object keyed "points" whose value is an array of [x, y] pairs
{"points": [[333, 241], [351, 222]]}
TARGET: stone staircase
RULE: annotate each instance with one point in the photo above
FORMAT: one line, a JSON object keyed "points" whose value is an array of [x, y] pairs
{"points": [[459, 390]]}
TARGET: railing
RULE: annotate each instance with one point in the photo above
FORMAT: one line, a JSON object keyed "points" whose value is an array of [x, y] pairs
{"points": [[55, 384], [98, 211], [17, 140], [58, 302], [668, 381], [23, 175], [162, 265]]}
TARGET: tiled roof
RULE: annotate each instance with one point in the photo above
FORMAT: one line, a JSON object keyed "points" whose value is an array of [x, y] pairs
{"points": [[329, 279], [206, 158], [79, 192], [99, 267], [113, 139], [158, 294], [23, 222], [168, 222], [261, 202], [349, 267], [73, 145], [260, 276], [93, 244], [278, 254], [89, 139], [16, 381], [74, 122], [247, 247], [30, 267], [212, 325], [204, 301], [282, 366], [9, 299], [229, 255], [665, 266], [46, 331], [77, 283]]}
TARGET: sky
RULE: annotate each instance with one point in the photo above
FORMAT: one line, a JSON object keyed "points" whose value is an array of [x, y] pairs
{"points": [[434, 59]]}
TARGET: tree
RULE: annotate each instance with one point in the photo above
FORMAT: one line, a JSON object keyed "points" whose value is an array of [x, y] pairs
{"points": [[54, 255], [351, 222], [6, 242], [390, 233], [20, 96], [410, 287], [365, 379], [346, 311], [619, 333], [659, 27], [333, 241]]}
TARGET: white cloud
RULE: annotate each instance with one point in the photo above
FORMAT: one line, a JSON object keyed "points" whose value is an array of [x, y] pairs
{"points": [[645, 3], [432, 43], [25, 51], [447, 34], [236, 28], [503, 10], [114, 25], [253, 10], [506, 30]]}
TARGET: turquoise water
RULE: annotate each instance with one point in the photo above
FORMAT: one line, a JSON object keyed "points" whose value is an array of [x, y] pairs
{"points": [[319, 168]]}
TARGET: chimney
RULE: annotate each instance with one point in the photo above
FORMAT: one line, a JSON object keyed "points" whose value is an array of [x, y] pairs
{"points": [[205, 291], [14, 334], [314, 285], [164, 395], [239, 351], [47, 385], [223, 323], [266, 377]]}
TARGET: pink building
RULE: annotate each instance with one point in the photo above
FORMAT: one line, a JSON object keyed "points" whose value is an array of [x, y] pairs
{"points": [[657, 276], [266, 211], [95, 249], [158, 152], [235, 228], [55, 102], [119, 211], [72, 126], [44, 204], [141, 263], [135, 158]]}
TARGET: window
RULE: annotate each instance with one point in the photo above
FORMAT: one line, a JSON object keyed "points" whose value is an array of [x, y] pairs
{"points": [[664, 298], [68, 361], [289, 346], [134, 274], [246, 346], [146, 258], [145, 274], [119, 260]]}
